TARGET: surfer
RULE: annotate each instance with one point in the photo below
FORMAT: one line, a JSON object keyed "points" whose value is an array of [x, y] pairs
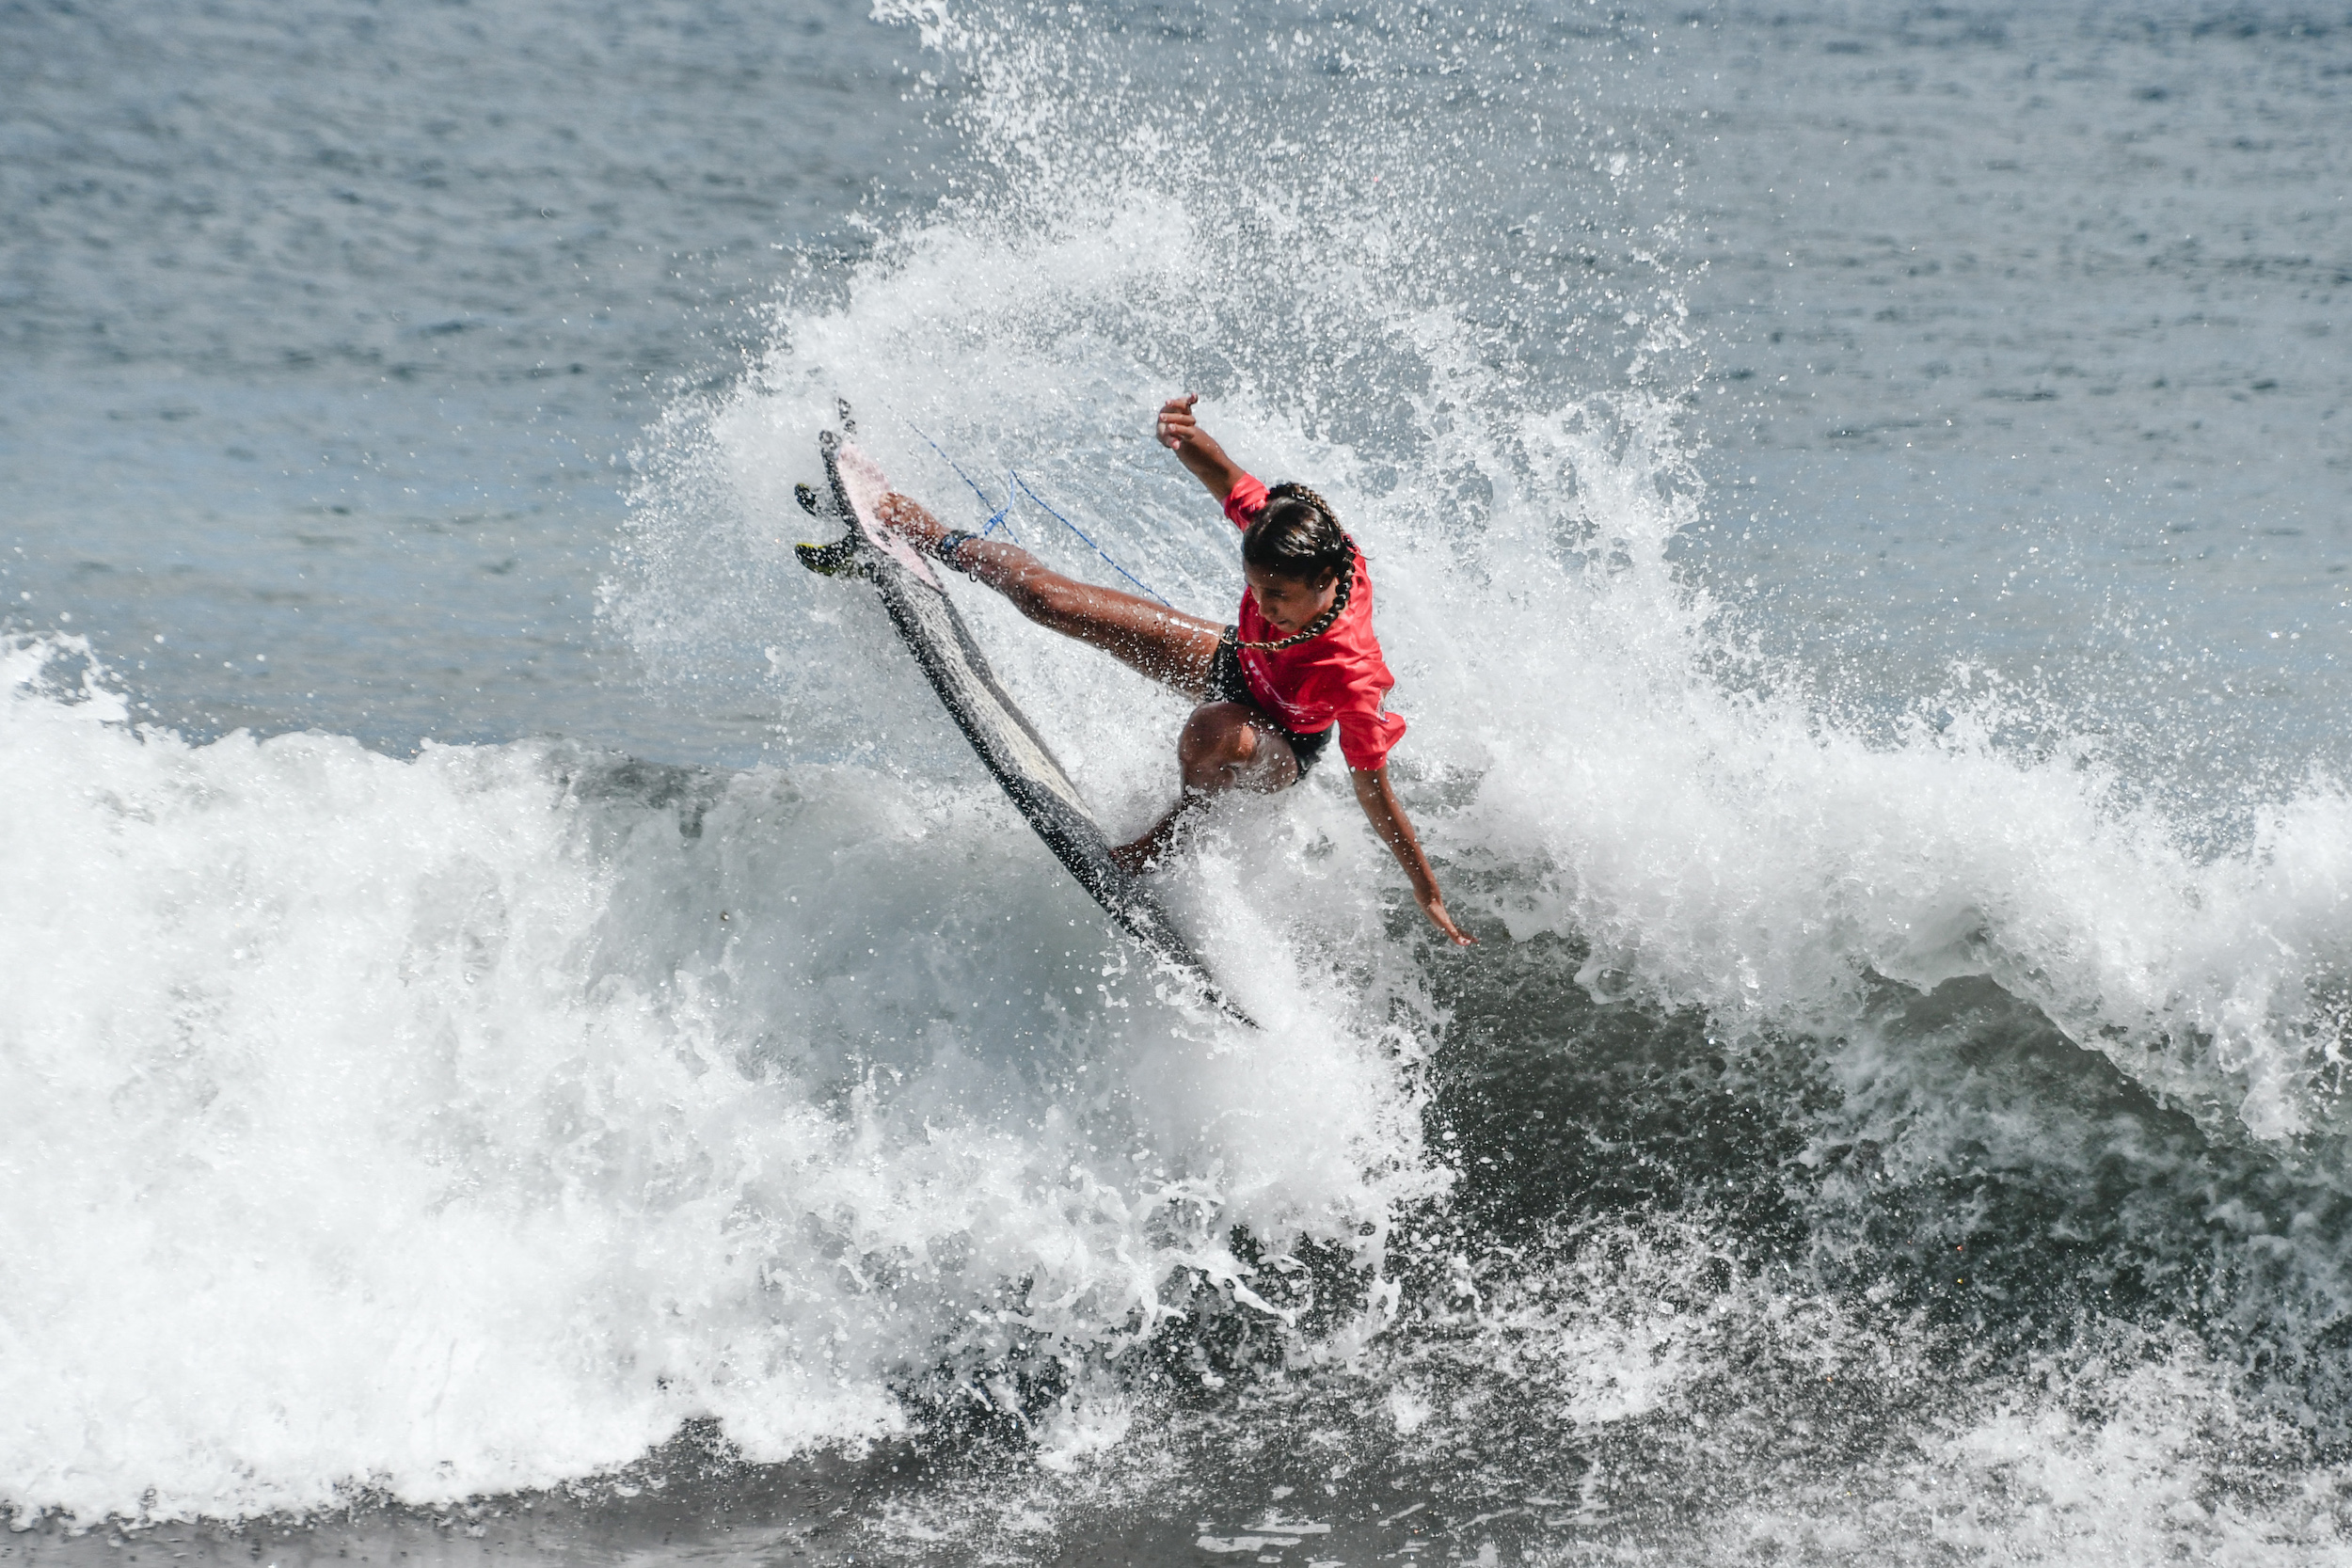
{"points": [[1300, 665]]}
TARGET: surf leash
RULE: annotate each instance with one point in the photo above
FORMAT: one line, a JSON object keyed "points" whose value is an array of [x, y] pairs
{"points": [[999, 517], [995, 518], [1082, 535]]}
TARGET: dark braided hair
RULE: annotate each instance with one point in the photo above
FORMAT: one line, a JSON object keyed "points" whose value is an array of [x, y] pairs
{"points": [[1298, 535]]}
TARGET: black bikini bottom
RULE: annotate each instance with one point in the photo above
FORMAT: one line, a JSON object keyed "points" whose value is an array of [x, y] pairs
{"points": [[1227, 684]]}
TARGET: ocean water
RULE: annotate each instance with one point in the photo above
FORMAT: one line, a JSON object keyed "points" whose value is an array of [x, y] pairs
{"points": [[516, 1002]]}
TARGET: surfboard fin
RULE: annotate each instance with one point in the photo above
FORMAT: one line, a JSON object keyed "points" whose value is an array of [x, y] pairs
{"points": [[840, 558]]}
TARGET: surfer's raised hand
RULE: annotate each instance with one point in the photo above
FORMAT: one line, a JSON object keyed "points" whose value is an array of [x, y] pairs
{"points": [[1195, 447], [1177, 425]]}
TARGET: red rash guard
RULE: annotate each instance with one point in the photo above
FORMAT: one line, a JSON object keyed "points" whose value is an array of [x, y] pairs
{"points": [[1337, 677]]}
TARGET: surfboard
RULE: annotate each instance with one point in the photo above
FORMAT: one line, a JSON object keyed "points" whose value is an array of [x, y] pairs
{"points": [[1007, 743]]}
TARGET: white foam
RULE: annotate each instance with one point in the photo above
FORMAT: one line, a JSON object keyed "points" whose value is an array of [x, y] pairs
{"points": [[422, 1124], [1626, 760]]}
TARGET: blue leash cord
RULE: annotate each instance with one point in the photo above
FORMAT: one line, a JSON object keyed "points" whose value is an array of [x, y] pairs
{"points": [[998, 516], [995, 518], [1081, 533]]}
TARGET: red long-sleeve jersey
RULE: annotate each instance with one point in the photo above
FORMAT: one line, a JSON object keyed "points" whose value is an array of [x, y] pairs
{"points": [[1336, 678]]}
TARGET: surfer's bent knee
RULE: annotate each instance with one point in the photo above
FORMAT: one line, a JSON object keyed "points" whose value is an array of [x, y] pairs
{"points": [[1224, 744]]}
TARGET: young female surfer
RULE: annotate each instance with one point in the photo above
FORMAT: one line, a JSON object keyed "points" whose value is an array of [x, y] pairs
{"points": [[1300, 663]]}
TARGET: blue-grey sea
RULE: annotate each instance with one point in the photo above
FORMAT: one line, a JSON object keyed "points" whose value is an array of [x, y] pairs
{"points": [[526, 1035]]}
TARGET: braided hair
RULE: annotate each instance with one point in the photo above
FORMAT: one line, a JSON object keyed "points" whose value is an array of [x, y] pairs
{"points": [[1298, 535]]}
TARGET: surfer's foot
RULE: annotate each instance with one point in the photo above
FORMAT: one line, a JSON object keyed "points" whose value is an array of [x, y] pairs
{"points": [[1139, 857], [905, 516]]}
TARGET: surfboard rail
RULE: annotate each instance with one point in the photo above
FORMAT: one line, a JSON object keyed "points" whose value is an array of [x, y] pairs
{"points": [[1000, 734]]}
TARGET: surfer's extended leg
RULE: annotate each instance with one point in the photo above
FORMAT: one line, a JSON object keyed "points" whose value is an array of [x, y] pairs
{"points": [[1164, 643], [1224, 746]]}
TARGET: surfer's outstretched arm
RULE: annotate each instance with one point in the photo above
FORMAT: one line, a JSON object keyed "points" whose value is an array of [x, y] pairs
{"points": [[1386, 815]]}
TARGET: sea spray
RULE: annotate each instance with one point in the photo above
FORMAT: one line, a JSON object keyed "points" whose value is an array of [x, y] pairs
{"points": [[1884, 1116], [1670, 819], [486, 1115]]}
